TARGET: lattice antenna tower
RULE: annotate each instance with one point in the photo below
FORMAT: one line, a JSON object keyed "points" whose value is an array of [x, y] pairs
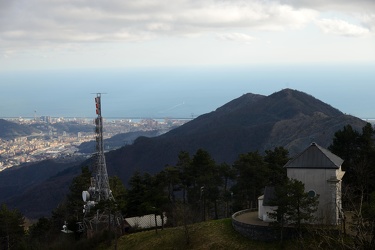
{"points": [[100, 176], [99, 190]]}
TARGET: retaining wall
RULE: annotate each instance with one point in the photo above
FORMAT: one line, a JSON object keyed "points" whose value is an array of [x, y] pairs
{"points": [[258, 232]]}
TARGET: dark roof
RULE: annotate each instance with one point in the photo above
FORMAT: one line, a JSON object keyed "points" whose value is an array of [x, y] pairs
{"points": [[269, 195], [315, 157]]}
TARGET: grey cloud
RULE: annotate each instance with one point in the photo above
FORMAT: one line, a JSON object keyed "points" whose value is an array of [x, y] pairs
{"points": [[368, 20], [26, 23], [334, 5], [40, 21]]}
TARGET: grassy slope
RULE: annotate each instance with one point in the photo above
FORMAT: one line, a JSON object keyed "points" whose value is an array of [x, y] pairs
{"points": [[218, 234]]}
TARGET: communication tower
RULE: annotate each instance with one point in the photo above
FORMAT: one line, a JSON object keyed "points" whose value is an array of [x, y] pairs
{"points": [[96, 218], [103, 191]]}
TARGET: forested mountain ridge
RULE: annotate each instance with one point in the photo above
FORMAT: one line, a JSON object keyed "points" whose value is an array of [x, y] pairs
{"points": [[288, 118]]}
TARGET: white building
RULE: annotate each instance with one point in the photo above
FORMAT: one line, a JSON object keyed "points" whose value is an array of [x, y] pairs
{"points": [[320, 171], [264, 204]]}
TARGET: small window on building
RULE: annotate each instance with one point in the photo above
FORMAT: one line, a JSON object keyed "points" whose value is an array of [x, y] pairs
{"points": [[311, 193]]}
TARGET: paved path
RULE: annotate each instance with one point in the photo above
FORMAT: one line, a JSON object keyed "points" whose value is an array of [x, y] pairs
{"points": [[251, 218]]}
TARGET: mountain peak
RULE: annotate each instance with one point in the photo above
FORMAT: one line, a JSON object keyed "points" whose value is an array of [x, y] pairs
{"points": [[289, 103], [287, 92], [285, 103]]}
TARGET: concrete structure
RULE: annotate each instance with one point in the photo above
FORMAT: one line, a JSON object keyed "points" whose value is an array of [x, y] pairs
{"points": [[146, 221], [264, 204], [247, 223], [320, 171]]}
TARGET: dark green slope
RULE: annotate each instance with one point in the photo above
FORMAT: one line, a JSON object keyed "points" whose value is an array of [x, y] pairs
{"points": [[287, 118]]}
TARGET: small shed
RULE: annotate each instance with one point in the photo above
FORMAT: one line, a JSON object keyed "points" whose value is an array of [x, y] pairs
{"points": [[264, 204], [146, 221]]}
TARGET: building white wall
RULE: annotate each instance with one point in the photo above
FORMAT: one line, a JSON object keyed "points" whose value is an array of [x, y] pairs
{"points": [[260, 207], [330, 192], [266, 211]]}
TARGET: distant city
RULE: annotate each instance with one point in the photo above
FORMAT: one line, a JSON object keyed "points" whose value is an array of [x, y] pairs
{"points": [[57, 140], [53, 142]]}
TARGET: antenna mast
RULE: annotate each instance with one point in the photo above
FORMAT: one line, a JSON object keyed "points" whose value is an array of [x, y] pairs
{"points": [[102, 189], [99, 189]]}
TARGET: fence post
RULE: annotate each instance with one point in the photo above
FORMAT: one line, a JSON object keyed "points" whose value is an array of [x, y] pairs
{"points": [[156, 224]]}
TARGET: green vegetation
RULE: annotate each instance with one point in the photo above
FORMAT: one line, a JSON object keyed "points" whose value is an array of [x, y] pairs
{"points": [[11, 228], [294, 206], [358, 191], [196, 192], [215, 234], [358, 151], [253, 172]]}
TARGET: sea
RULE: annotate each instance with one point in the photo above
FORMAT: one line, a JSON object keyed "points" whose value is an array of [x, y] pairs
{"points": [[177, 92]]}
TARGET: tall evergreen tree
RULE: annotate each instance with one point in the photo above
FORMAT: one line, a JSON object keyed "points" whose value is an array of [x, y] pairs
{"points": [[358, 151], [205, 181], [41, 233], [228, 174], [183, 165], [119, 193], [74, 202], [294, 205], [11, 228], [171, 176], [251, 178], [368, 225], [138, 195], [276, 159], [346, 145], [145, 195]]}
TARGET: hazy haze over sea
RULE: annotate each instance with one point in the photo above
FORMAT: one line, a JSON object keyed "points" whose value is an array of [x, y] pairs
{"points": [[179, 92]]}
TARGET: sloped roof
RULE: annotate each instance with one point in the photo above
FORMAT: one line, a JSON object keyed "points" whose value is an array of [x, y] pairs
{"points": [[269, 195], [315, 157]]}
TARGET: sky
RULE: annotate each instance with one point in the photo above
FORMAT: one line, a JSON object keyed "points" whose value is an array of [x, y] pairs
{"points": [[182, 57]]}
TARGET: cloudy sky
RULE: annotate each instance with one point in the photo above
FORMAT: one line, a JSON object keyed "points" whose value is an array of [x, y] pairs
{"points": [[153, 57], [59, 34]]}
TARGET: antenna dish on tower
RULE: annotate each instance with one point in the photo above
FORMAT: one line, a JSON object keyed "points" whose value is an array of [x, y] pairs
{"points": [[85, 196]]}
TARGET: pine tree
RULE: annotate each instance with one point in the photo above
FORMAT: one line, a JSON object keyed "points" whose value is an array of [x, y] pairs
{"points": [[294, 205], [252, 176], [11, 228]]}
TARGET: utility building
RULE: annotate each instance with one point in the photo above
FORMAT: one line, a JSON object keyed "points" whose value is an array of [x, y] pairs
{"points": [[320, 171]]}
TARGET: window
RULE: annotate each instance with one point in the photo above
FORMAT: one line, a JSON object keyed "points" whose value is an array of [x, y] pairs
{"points": [[311, 193]]}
